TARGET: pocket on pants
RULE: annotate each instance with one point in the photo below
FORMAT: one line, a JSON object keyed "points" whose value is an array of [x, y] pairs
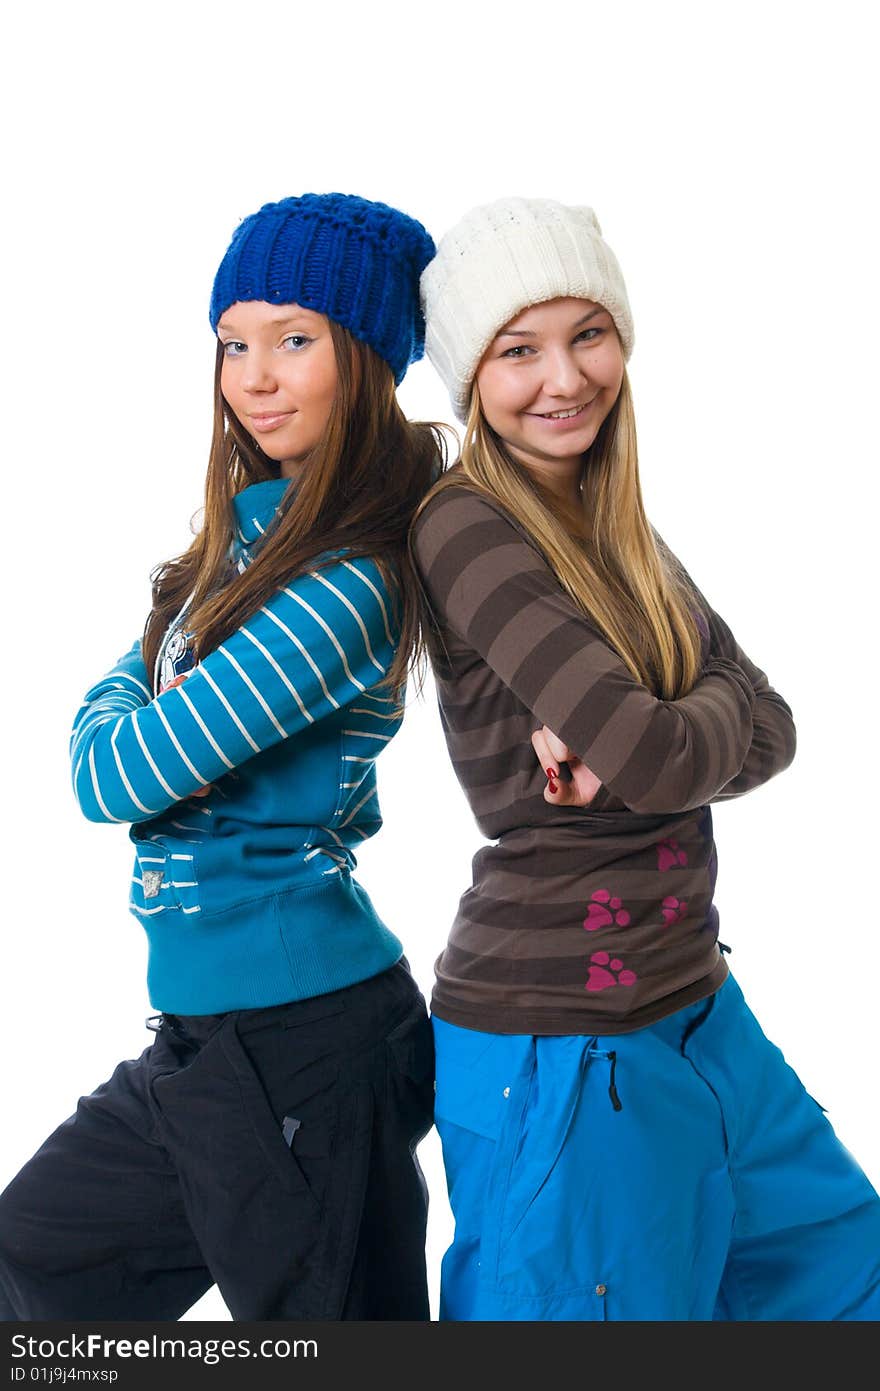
{"points": [[481, 1084], [472, 1071], [220, 1123], [299, 1144], [276, 1218], [503, 1117]]}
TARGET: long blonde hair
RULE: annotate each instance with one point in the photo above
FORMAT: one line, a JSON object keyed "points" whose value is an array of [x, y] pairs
{"points": [[609, 560]]}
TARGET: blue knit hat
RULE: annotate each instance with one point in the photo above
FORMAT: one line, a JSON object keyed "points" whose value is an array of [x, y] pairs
{"points": [[355, 261]]}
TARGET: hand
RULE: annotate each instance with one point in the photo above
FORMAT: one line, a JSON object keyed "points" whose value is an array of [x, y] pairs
{"points": [[177, 681], [550, 752], [208, 788]]}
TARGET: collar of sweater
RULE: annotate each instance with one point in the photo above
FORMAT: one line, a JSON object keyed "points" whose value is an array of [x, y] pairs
{"points": [[255, 507]]}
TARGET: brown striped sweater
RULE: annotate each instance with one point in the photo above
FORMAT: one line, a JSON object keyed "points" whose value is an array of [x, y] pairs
{"points": [[579, 920]]}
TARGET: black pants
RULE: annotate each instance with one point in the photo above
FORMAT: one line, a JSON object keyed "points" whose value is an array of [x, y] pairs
{"points": [[270, 1151]]}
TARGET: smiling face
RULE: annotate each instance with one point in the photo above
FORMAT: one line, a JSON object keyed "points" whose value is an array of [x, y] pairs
{"points": [[547, 381], [278, 376]]}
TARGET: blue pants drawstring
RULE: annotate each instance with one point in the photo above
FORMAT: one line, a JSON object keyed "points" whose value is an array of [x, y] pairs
{"points": [[612, 1087]]}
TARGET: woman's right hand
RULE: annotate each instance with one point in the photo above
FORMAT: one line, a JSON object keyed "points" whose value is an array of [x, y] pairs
{"points": [[551, 751]]}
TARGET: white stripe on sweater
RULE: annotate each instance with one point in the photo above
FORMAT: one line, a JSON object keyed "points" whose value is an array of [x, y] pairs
{"points": [[271, 660], [171, 883], [354, 811], [204, 728], [163, 908], [177, 744], [98, 718], [322, 579], [338, 839], [150, 811], [97, 790], [223, 701], [177, 796], [251, 687], [305, 652], [330, 633], [127, 676], [369, 583]]}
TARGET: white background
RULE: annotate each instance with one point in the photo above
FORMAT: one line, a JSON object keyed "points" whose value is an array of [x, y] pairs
{"points": [[729, 153]]}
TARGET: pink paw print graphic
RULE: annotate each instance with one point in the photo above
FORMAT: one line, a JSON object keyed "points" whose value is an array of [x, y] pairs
{"points": [[673, 910], [669, 855], [606, 971], [605, 911]]}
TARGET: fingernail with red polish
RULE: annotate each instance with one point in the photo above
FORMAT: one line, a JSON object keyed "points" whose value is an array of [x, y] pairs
{"points": [[551, 776]]}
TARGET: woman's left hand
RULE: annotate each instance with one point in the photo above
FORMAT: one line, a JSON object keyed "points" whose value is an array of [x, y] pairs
{"points": [[551, 751]]}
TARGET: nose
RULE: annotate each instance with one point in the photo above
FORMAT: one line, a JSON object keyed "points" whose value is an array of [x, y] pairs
{"points": [[562, 376], [258, 374]]}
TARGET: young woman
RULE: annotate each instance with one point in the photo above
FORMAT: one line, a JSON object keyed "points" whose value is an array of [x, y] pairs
{"points": [[265, 1141], [620, 1139]]}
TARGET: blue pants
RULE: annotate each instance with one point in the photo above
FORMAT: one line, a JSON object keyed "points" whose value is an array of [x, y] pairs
{"points": [[677, 1172]]}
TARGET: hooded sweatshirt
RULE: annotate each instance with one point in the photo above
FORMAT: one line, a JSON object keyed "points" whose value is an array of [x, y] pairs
{"points": [[247, 894]]}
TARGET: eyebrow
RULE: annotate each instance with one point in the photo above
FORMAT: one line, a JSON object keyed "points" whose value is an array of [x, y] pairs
{"points": [[277, 321], [530, 333]]}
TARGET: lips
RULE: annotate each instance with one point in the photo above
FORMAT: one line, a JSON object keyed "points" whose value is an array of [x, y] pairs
{"points": [[269, 421], [569, 413]]}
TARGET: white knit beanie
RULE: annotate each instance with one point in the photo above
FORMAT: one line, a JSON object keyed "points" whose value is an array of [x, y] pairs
{"points": [[499, 259]]}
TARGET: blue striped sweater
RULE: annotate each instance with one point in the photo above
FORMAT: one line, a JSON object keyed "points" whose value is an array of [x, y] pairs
{"points": [[247, 894]]}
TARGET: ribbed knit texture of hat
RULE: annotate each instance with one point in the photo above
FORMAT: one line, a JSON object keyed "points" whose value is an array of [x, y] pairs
{"points": [[356, 261], [499, 259]]}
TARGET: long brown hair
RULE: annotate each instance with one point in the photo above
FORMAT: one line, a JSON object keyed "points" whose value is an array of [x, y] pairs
{"points": [[607, 557], [357, 492]]}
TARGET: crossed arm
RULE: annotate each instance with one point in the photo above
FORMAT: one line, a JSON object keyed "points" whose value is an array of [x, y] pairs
{"points": [[320, 641], [494, 589]]}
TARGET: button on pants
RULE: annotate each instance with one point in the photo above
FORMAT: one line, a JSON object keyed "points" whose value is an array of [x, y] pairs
{"points": [[270, 1151], [679, 1172]]}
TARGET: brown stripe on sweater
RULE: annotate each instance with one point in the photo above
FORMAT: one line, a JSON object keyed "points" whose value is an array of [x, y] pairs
{"points": [[483, 711], [547, 1009], [471, 742], [497, 921], [494, 767], [564, 662], [472, 586]]}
